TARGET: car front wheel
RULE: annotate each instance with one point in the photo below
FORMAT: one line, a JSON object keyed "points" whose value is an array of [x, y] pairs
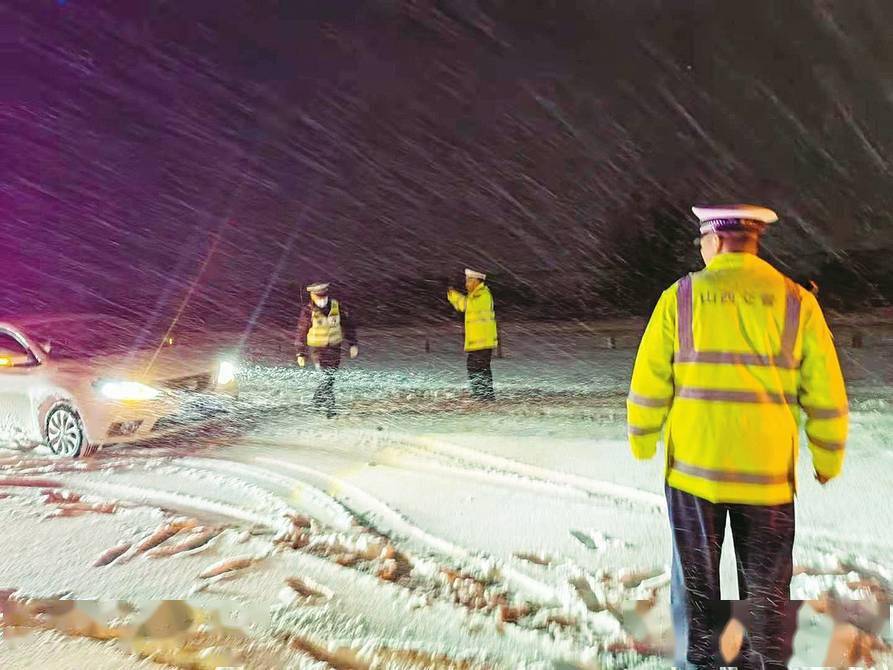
{"points": [[65, 433]]}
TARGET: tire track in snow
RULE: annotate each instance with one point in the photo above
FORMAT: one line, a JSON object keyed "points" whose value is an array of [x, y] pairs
{"points": [[492, 468], [231, 476], [397, 524], [500, 469], [333, 513], [589, 486], [173, 500], [388, 519], [502, 465], [521, 474], [486, 476]]}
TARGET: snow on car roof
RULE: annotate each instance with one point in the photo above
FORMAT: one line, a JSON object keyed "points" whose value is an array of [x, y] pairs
{"points": [[84, 335], [58, 324], [34, 320]]}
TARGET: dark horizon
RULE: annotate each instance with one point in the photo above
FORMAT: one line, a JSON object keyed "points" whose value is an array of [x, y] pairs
{"points": [[387, 145]]}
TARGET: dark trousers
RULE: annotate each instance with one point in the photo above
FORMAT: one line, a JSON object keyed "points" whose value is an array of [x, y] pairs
{"points": [[327, 359], [763, 538], [480, 375]]}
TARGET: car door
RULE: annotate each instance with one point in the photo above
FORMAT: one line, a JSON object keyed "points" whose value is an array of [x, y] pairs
{"points": [[18, 368]]}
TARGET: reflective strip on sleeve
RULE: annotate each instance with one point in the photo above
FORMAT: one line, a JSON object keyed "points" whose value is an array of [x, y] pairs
{"points": [[791, 321], [825, 412], [646, 401], [684, 316], [728, 395], [730, 477], [641, 432], [826, 445]]}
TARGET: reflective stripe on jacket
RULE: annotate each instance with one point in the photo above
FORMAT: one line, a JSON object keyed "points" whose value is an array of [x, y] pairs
{"points": [[480, 318], [325, 330], [729, 358]]}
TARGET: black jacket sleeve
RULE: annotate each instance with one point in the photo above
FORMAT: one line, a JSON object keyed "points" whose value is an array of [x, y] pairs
{"points": [[304, 322], [349, 326]]}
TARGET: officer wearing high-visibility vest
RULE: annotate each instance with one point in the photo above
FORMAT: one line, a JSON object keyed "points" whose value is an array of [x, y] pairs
{"points": [[480, 331], [322, 327], [731, 358]]}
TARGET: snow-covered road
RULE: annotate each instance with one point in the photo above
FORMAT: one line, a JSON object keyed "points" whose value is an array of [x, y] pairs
{"points": [[437, 533]]}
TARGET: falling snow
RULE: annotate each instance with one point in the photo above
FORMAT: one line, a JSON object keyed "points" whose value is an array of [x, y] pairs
{"points": [[192, 166]]}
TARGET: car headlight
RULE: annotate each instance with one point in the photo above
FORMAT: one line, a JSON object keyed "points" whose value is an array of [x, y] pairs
{"points": [[117, 390], [226, 374]]}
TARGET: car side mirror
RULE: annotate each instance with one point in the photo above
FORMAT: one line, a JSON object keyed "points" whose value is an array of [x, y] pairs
{"points": [[47, 346], [12, 359]]}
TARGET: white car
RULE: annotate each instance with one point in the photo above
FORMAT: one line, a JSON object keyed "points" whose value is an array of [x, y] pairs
{"points": [[76, 383]]}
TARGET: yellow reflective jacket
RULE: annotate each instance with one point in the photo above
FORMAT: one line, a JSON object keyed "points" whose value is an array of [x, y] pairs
{"points": [[325, 329], [730, 357], [480, 317]]}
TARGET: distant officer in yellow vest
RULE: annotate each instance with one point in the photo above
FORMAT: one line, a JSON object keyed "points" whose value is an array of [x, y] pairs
{"points": [[480, 331], [730, 359], [322, 327]]}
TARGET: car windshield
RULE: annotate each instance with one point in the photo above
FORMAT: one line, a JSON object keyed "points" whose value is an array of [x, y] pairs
{"points": [[71, 339]]}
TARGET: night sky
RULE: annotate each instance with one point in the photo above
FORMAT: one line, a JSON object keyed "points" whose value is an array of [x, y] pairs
{"points": [[249, 147]]}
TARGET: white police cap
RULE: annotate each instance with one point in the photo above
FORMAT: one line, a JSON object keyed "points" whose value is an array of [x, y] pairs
{"points": [[318, 288], [475, 274], [717, 218]]}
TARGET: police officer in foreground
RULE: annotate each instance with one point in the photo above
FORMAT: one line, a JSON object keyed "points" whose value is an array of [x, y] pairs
{"points": [[480, 331], [731, 358], [322, 327]]}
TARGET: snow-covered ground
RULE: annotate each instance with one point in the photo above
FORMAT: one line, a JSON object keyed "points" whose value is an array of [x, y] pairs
{"points": [[415, 530]]}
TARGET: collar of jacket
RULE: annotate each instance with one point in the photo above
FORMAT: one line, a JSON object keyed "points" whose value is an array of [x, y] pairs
{"points": [[325, 310], [736, 260], [480, 289]]}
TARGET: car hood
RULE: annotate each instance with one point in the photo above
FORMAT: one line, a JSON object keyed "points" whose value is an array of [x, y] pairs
{"points": [[169, 364]]}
